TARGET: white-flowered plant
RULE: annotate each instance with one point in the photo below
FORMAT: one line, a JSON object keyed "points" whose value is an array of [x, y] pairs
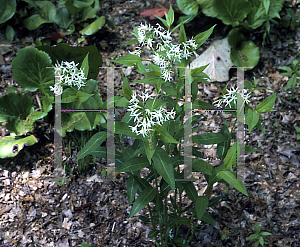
{"points": [[231, 97], [69, 75], [159, 134], [144, 118], [164, 52]]}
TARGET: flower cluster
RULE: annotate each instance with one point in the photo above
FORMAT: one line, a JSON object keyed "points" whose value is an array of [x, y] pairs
{"points": [[165, 52], [231, 97], [69, 75], [145, 118]]}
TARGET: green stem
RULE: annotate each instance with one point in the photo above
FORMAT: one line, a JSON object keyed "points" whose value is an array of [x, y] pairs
{"points": [[157, 205]]}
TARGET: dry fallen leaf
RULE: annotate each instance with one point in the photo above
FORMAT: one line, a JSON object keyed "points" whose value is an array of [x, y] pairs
{"points": [[152, 12]]}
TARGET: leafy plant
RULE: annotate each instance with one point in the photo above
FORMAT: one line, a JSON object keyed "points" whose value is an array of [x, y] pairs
{"points": [[259, 236], [159, 132], [293, 73], [47, 12], [85, 244], [298, 131], [241, 15], [33, 70]]}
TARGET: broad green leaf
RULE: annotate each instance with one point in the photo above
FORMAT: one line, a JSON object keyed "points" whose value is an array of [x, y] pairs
{"points": [[164, 166], [267, 104], [94, 26], [231, 12], [230, 178], [83, 3], [208, 138], [201, 206], [251, 118], [133, 164], [94, 142], [188, 7], [34, 21], [206, 8], [190, 190], [48, 10], [222, 148], [245, 56], [146, 196], [150, 146], [170, 16], [232, 156], [90, 12], [200, 165], [7, 10], [164, 135], [32, 69], [10, 146], [63, 18], [128, 60]]}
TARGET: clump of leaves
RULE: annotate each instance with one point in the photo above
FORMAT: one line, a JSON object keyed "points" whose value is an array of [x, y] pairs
{"points": [[259, 236]]}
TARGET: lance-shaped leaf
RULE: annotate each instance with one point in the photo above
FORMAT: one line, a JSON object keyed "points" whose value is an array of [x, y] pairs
{"points": [[164, 135], [267, 104], [208, 138], [132, 188], [164, 166], [230, 177], [128, 60], [146, 196], [232, 156], [201, 206], [133, 164]]}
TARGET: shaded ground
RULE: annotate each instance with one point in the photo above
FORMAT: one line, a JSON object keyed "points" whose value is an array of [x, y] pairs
{"points": [[34, 211]]}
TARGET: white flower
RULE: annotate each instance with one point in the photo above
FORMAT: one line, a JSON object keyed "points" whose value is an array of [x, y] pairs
{"points": [[231, 96], [146, 119], [69, 75], [57, 89]]}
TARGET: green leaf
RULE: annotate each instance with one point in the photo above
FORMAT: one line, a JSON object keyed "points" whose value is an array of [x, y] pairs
{"points": [[249, 149], [267, 104], [214, 201], [201, 105], [34, 21], [63, 18], [164, 135], [85, 65], [48, 10], [94, 26], [188, 7], [202, 37], [150, 146], [133, 164], [164, 166], [7, 10], [201, 206], [30, 69], [128, 60], [245, 56], [126, 87], [208, 219], [132, 188], [208, 138], [153, 233], [146, 196], [251, 118], [257, 228], [190, 190], [95, 141], [10, 146], [232, 156], [230, 178], [170, 16], [90, 12], [252, 237], [10, 33], [200, 165], [230, 12], [122, 128], [82, 3], [182, 35]]}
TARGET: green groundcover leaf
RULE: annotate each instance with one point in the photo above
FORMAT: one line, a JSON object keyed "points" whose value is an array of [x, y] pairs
{"points": [[7, 10], [30, 69], [94, 26], [10, 146]]}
